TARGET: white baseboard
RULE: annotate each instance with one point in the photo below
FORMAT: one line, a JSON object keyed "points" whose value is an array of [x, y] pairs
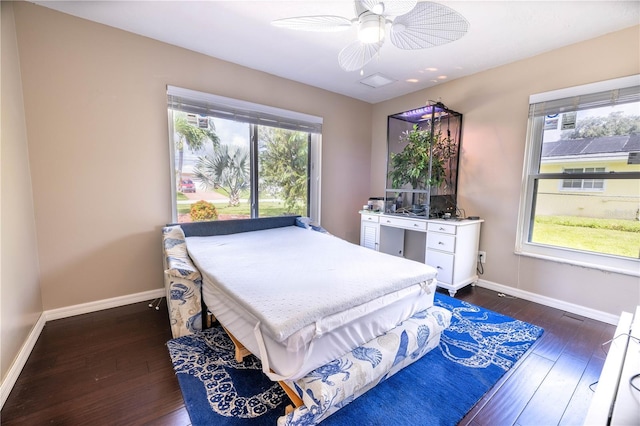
{"points": [[99, 305], [554, 303], [20, 360], [68, 311]]}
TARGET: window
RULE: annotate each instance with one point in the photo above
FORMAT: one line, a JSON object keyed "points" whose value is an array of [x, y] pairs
{"points": [[232, 159], [581, 183]]}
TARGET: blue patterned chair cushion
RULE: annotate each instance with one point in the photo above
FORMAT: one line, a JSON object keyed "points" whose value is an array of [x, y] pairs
{"points": [[178, 263]]}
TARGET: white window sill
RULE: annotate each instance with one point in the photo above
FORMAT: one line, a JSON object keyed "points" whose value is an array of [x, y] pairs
{"points": [[601, 262]]}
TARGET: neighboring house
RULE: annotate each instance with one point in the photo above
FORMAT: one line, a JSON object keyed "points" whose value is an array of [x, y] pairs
{"points": [[592, 197]]}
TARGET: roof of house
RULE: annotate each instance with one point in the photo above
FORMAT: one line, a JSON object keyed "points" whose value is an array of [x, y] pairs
{"points": [[586, 146]]}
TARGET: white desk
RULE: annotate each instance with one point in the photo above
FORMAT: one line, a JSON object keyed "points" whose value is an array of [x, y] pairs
{"points": [[451, 246]]}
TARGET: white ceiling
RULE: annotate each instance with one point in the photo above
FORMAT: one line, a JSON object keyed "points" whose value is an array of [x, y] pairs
{"points": [[240, 32]]}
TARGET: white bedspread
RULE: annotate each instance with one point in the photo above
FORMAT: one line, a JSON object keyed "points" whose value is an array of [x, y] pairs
{"points": [[290, 277]]}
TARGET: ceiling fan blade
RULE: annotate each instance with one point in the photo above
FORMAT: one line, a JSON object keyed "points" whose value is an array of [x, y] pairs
{"points": [[389, 7], [427, 25], [322, 23], [357, 54]]}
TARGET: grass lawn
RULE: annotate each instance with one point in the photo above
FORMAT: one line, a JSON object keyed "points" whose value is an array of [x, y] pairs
{"points": [[610, 236]]}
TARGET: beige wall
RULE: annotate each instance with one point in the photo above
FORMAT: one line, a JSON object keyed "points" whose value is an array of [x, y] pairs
{"points": [[20, 303], [95, 102], [495, 108]]}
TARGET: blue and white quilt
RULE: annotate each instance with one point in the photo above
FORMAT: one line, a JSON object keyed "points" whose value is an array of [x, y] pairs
{"points": [[334, 385]]}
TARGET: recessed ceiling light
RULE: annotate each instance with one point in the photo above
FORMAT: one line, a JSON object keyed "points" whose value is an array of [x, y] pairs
{"points": [[442, 77], [431, 69], [377, 80], [412, 80]]}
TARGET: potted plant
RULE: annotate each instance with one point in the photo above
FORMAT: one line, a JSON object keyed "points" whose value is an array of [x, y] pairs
{"points": [[411, 165]]}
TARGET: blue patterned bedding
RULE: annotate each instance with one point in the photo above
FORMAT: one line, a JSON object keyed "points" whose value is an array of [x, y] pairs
{"points": [[334, 385]]}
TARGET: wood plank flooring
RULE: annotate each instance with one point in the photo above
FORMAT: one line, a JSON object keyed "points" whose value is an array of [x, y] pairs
{"points": [[112, 368]]}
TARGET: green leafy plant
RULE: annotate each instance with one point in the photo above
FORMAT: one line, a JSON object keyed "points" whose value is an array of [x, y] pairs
{"points": [[227, 170], [411, 165], [203, 210], [283, 167]]}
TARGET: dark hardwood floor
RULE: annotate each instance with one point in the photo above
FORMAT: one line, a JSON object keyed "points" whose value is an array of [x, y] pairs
{"points": [[112, 368]]}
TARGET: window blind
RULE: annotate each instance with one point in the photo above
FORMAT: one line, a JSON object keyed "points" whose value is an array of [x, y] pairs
{"points": [[206, 104], [613, 92]]}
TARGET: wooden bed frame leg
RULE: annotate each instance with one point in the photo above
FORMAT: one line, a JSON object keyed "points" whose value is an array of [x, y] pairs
{"points": [[295, 399], [241, 351]]}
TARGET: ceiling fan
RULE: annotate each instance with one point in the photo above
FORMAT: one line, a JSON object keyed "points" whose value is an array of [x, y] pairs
{"points": [[411, 25]]}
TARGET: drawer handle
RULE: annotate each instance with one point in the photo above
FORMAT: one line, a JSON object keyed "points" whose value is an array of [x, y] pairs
{"points": [[438, 267], [442, 229], [440, 243], [388, 221], [415, 224]]}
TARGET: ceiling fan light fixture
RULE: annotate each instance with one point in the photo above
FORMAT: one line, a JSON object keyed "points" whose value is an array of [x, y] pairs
{"points": [[371, 28]]}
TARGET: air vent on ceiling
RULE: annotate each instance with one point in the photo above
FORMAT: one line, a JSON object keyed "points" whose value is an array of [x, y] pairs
{"points": [[377, 80]]}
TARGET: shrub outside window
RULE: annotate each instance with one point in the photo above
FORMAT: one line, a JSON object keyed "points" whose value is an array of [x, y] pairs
{"points": [[581, 183]]}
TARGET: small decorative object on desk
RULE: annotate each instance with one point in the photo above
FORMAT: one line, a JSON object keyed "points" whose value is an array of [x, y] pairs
{"points": [[376, 204]]}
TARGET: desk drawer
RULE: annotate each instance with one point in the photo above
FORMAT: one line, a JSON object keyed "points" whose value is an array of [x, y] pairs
{"points": [[443, 262], [370, 218], [443, 242], [399, 222], [442, 227]]}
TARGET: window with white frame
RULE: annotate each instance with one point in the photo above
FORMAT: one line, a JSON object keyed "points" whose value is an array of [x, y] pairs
{"points": [[581, 183], [232, 159]]}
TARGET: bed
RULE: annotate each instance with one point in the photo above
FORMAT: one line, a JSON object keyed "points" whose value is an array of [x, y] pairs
{"points": [[308, 304]]}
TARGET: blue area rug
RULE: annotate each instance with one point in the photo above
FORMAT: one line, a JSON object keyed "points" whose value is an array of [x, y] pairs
{"points": [[439, 389]]}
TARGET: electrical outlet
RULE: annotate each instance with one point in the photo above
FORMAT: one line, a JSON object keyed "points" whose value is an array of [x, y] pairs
{"points": [[482, 256]]}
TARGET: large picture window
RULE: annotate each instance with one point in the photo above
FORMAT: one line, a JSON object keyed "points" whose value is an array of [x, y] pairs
{"points": [[234, 160], [581, 189]]}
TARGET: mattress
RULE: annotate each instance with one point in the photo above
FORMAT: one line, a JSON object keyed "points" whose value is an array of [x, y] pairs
{"points": [[298, 298]]}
